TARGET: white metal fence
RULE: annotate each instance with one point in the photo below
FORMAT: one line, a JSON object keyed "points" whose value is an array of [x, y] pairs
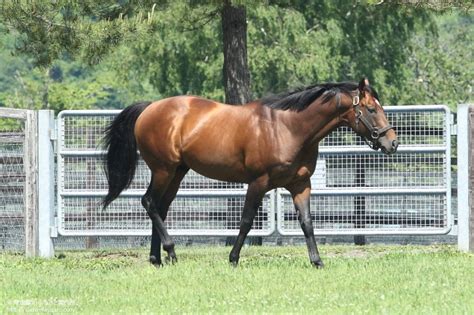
{"points": [[355, 190]]}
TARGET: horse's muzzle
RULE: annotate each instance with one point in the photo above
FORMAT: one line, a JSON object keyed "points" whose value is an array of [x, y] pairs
{"points": [[389, 147]]}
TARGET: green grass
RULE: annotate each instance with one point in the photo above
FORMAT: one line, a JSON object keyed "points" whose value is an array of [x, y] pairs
{"points": [[371, 279]]}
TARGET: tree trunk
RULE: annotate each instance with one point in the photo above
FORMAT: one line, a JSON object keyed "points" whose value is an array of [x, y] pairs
{"points": [[236, 72]]}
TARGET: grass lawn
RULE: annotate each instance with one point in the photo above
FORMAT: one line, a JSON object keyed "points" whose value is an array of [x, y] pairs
{"points": [[370, 279]]}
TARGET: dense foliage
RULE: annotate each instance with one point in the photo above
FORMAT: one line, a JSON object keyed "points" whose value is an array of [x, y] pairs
{"points": [[108, 55]]}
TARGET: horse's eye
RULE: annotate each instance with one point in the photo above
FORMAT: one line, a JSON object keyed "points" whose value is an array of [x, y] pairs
{"points": [[371, 109]]}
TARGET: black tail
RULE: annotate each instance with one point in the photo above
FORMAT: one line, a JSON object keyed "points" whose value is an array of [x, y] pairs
{"points": [[122, 157]]}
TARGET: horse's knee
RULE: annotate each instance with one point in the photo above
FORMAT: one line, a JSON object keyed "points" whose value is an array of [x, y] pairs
{"points": [[307, 227]]}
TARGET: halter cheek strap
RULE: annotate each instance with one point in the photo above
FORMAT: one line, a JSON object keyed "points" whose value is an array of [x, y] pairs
{"points": [[375, 132]]}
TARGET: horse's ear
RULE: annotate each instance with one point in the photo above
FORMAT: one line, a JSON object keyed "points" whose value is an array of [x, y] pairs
{"points": [[363, 84]]}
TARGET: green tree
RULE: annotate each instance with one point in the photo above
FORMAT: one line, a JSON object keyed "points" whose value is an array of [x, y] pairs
{"points": [[441, 67], [89, 28]]}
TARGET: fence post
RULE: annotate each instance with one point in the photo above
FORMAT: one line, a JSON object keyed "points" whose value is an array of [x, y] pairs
{"points": [[30, 161], [46, 177], [465, 152]]}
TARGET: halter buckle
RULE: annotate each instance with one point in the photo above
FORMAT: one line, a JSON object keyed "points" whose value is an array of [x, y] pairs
{"points": [[355, 100]]}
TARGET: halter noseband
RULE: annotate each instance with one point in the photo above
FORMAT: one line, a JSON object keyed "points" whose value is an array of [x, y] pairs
{"points": [[375, 132]]}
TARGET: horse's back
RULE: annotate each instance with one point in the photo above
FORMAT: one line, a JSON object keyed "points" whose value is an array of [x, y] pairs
{"points": [[189, 114]]}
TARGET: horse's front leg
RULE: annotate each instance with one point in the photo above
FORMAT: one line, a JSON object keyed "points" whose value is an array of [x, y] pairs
{"points": [[301, 193], [253, 199]]}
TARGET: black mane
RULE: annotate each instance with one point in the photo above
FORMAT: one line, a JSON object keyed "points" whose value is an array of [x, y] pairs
{"points": [[301, 98]]}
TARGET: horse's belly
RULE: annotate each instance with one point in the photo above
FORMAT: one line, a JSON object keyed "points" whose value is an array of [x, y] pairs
{"points": [[215, 161], [222, 174]]}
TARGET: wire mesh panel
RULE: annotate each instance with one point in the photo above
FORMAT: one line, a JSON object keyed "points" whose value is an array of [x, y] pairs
{"points": [[202, 207], [12, 183], [359, 191], [200, 213]]}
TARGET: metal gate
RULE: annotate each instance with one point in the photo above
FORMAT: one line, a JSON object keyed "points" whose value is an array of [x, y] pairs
{"points": [[202, 206], [18, 180], [359, 191], [12, 180], [355, 190]]}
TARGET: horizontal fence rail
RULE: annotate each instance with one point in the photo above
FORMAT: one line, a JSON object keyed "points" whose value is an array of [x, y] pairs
{"points": [[354, 190]]}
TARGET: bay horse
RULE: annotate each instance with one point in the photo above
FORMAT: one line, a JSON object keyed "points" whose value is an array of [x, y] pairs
{"points": [[267, 143]]}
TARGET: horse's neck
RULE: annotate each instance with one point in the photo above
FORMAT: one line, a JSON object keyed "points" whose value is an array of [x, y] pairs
{"points": [[326, 130], [315, 122]]}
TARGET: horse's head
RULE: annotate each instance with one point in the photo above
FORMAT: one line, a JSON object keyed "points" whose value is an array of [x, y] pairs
{"points": [[367, 118]]}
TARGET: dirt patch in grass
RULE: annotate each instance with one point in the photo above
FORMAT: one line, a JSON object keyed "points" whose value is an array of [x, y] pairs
{"points": [[116, 255]]}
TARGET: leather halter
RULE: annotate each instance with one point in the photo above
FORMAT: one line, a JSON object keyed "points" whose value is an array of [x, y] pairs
{"points": [[375, 132]]}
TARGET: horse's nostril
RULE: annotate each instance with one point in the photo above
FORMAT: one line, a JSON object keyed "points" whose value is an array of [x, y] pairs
{"points": [[394, 144]]}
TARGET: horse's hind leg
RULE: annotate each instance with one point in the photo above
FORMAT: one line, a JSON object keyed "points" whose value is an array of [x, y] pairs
{"points": [[166, 201], [161, 192], [155, 248]]}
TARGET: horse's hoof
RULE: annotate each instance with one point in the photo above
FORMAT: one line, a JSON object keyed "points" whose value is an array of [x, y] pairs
{"points": [[234, 262], [155, 261], [171, 260], [318, 264]]}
